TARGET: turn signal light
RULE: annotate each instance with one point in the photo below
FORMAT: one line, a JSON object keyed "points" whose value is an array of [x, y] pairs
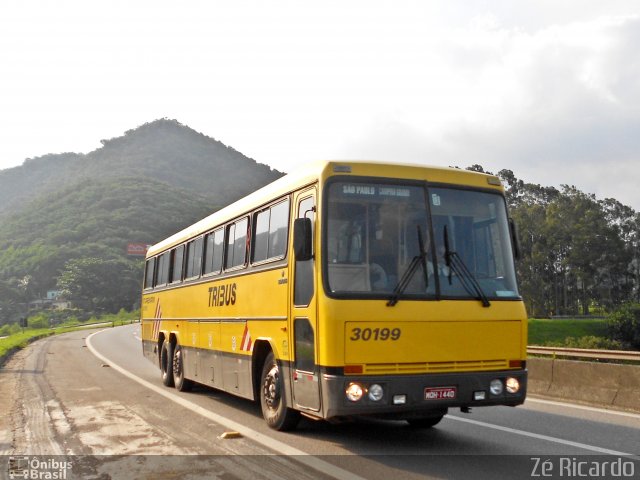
{"points": [[353, 369]]}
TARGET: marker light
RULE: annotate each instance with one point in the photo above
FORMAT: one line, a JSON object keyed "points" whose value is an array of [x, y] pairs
{"points": [[399, 399], [513, 385], [375, 392], [495, 387], [354, 392], [480, 395]]}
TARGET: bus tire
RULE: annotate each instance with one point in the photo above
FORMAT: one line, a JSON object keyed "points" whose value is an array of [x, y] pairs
{"points": [[166, 356], [273, 399], [182, 384], [426, 422]]}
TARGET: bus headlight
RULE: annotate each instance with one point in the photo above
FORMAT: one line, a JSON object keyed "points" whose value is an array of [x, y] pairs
{"points": [[375, 392], [354, 392], [513, 385], [495, 387]]}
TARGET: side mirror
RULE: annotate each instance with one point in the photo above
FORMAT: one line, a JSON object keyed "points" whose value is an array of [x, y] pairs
{"points": [[302, 239], [514, 239]]}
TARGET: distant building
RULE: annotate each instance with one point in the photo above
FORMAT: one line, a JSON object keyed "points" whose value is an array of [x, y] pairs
{"points": [[53, 294], [53, 300]]}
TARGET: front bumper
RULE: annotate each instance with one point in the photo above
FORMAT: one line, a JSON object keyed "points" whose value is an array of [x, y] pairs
{"points": [[413, 387]]}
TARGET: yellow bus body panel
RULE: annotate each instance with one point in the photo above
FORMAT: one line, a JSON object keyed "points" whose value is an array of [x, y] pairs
{"points": [[434, 336], [212, 314]]}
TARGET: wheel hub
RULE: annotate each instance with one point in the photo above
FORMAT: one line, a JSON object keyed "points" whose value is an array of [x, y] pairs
{"points": [[271, 388], [177, 363]]}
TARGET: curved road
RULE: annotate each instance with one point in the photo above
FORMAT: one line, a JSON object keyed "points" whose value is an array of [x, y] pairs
{"points": [[84, 395]]}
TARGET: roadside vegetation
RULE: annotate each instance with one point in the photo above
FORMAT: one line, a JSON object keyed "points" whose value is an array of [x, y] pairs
{"points": [[620, 330], [43, 324], [578, 253], [570, 332]]}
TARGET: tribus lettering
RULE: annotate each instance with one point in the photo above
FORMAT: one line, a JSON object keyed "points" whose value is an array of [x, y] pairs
{"points": [[222, 295]]}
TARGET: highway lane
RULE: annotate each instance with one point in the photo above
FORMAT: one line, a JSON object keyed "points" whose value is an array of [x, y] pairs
{"points": [[94, 408]]}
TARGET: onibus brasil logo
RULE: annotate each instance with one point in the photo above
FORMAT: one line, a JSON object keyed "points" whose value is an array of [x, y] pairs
{"points": [[39, 468]]}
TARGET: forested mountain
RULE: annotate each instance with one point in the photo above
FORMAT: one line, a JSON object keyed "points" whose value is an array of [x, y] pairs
{"points": [[163, 150], [59, 209]]}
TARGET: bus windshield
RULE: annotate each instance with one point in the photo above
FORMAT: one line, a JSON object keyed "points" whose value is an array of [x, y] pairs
{"points": [[382, 242]]}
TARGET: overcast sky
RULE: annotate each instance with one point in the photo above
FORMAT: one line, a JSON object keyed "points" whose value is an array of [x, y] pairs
{"points": [[548, 89]]}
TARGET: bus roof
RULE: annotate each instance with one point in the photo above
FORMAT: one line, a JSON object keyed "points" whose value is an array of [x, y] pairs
{"points": [[310, 174]]}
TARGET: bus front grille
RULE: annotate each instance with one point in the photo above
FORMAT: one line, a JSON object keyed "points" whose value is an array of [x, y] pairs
{"points": [[436, 367]]}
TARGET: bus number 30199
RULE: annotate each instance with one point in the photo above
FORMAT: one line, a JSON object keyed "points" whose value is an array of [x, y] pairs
{"points": [[375, 334]]}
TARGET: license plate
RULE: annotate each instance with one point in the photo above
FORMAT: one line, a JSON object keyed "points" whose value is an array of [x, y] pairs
{"points": [[440, 393]]}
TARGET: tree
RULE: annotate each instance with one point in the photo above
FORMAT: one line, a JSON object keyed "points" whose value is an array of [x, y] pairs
{"points": [[10, 302], [577, 252], [624, 325], [101, 286]]}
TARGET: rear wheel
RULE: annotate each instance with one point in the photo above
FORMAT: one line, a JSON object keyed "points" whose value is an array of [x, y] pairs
{"points": [[166, 356], [181, 383], [273, 398]]}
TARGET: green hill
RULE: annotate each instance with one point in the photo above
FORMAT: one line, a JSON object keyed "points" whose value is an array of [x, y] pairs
{"points": [[163, 150], [140, 187]]}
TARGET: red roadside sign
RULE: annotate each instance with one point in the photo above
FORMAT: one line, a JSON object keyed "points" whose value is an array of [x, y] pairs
{"points": [[137, 249]]}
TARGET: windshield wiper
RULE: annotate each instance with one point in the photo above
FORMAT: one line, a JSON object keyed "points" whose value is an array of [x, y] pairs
{"points": [[420, 259], [467, 280]]}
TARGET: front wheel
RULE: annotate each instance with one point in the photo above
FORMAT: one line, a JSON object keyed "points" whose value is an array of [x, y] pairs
{"points": [[273, 398]]}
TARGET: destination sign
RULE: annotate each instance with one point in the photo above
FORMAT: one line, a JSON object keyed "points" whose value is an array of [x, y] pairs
{"points": [[368, 190]]}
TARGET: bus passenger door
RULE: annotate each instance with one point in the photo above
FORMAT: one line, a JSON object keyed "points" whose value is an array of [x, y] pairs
{"points": [[305, 372]]}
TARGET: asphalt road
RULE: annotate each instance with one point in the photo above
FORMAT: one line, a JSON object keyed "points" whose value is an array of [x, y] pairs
{"points": [[93, 399]]}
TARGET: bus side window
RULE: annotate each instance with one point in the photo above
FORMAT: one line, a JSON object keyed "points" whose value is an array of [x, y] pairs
{"points": [[148, 273], [270, 232], [213, 252], [261, 235], [279, 229], [162, 270], [194, 258], [237, 243], [177, 257]]}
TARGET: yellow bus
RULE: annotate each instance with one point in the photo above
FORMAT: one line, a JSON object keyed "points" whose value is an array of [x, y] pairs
{"points": [[347, 288]]}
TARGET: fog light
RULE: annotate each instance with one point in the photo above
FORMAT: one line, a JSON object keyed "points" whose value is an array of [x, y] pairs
{"points": [[513, 385], [354, 392], [375, 392], [399, 399], [481, 395], [495, 387]]}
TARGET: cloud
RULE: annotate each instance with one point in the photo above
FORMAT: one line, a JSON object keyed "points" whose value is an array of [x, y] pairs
{"points": [[556, 106]]}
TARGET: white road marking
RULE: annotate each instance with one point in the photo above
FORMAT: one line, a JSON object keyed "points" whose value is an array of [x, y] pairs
{"points": [[583, 407], [538, 436], [269, 442]]}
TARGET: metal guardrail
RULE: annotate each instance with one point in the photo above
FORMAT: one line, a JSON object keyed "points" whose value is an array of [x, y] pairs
{"points": [[584, 353]]}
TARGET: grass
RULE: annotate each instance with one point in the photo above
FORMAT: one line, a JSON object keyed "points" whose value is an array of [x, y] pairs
{"points": [[22, 339], [546, 332]]}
